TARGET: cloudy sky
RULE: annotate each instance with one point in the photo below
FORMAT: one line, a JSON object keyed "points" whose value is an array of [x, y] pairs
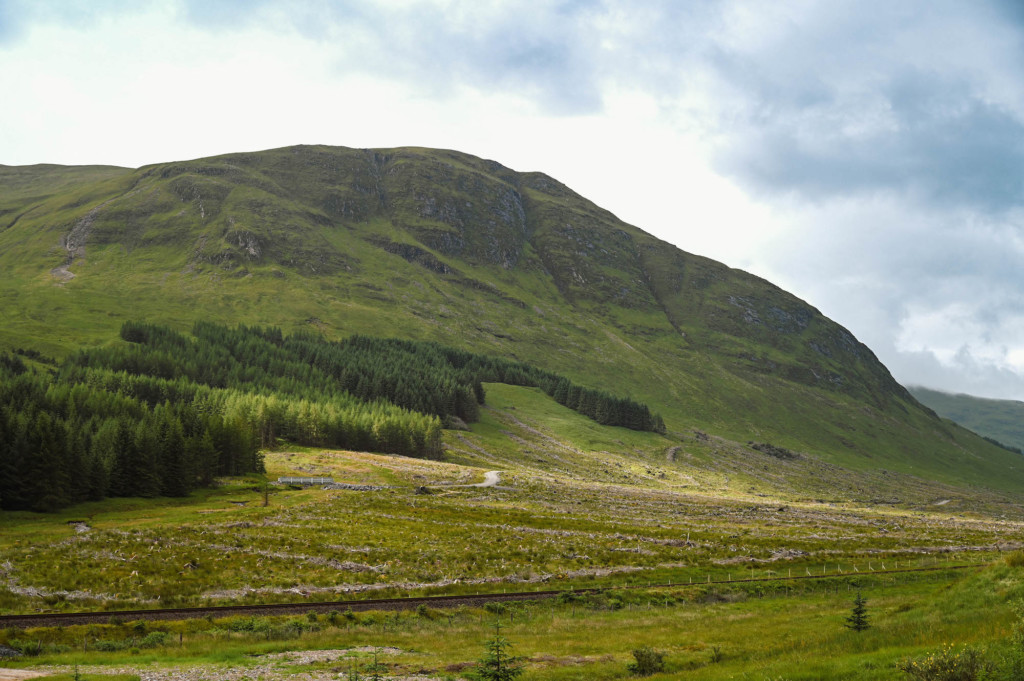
{"points": [[863, 154]]}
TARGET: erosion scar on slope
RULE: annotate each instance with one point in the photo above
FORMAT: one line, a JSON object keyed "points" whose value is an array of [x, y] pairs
{"points": [[74, 244]]}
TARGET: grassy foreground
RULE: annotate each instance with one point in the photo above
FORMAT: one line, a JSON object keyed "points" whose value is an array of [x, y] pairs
{"points": [[717, 634], [592, 506], [578, 505]]}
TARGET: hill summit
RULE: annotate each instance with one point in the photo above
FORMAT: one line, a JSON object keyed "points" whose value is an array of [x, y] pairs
{"points": [[439, 245]]}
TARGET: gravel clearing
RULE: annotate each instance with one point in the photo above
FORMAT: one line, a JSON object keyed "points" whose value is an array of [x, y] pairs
{"points": [[273, 667], [19, 674]]}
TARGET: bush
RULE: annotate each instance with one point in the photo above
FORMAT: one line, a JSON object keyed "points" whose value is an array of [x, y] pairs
{"points": [[29, 648], [1014, 559], [948, 664], [109, 646], [648, 661], [154, 639], [567, 597]]}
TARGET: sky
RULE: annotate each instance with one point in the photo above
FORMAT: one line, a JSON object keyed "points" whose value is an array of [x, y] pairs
{"points": [[865, 155]]}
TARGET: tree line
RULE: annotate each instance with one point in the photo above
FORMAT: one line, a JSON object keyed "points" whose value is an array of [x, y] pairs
{"points": [[62, 444], [420, 376], [163, 413]]}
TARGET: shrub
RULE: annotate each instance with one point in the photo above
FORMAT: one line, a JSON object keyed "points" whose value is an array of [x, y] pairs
{"points": [[948, 664], [1014, 559], [29, 648], [648, 661], [109, 646], [154, 639], [567, 597]]}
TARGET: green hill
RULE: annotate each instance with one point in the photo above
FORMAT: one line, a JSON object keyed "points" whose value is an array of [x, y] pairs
{"points": [[438, 245], [1001, 420]]}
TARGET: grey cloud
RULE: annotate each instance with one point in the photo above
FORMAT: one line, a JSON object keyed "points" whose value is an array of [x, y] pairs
{"points": [[884, 267], [546, 51], [967, 375], [945, 148], [223, 14], [539, 53], [877, 109], [539, 50], [10, 22], [17, 16]]}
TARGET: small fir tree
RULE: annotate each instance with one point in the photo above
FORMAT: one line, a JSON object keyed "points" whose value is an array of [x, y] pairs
{"points": [[858, 619], [376, 669], [498, 664]]}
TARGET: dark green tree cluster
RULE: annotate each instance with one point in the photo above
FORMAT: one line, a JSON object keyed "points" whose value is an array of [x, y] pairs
{"points": [[62, 443], [605, 408], [338, 420], [420, 376], [163, 413]]}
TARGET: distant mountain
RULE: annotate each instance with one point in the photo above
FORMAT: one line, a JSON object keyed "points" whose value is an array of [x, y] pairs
{"points": [[1001, 420], [440, 245]]}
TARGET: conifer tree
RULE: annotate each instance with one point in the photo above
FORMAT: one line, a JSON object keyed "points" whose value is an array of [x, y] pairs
{"points": [[498, 664], [858, 618]]}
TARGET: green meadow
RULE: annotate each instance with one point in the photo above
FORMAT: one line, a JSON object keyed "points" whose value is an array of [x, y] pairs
{"points": [[578, 505]]}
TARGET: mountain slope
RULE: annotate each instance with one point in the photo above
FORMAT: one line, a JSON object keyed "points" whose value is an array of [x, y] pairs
{"points": [[1001, 420], [440, 245]]}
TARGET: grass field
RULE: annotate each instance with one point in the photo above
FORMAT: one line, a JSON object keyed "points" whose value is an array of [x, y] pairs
{"points": [[719, 634], [578, 505]]}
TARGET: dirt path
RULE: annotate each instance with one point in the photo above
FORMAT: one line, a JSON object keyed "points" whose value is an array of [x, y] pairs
{"points": [[491, 479]]}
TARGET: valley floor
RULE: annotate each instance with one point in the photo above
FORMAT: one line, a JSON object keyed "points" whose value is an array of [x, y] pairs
{"points": [[593, 507]]}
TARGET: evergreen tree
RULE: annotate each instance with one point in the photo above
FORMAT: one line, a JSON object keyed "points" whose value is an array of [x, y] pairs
{"points": [[174, 479], [498, 664], [858, 619]]}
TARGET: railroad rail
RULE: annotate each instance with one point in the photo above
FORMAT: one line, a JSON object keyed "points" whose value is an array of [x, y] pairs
{"points": [[52, 619]]}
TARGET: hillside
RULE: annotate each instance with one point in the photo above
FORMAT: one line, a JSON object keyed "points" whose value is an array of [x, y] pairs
{"points": [[438, 245], [1001, 420]]}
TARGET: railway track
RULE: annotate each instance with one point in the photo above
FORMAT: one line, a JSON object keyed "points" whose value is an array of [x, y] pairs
{"points": [[54, 619]]}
